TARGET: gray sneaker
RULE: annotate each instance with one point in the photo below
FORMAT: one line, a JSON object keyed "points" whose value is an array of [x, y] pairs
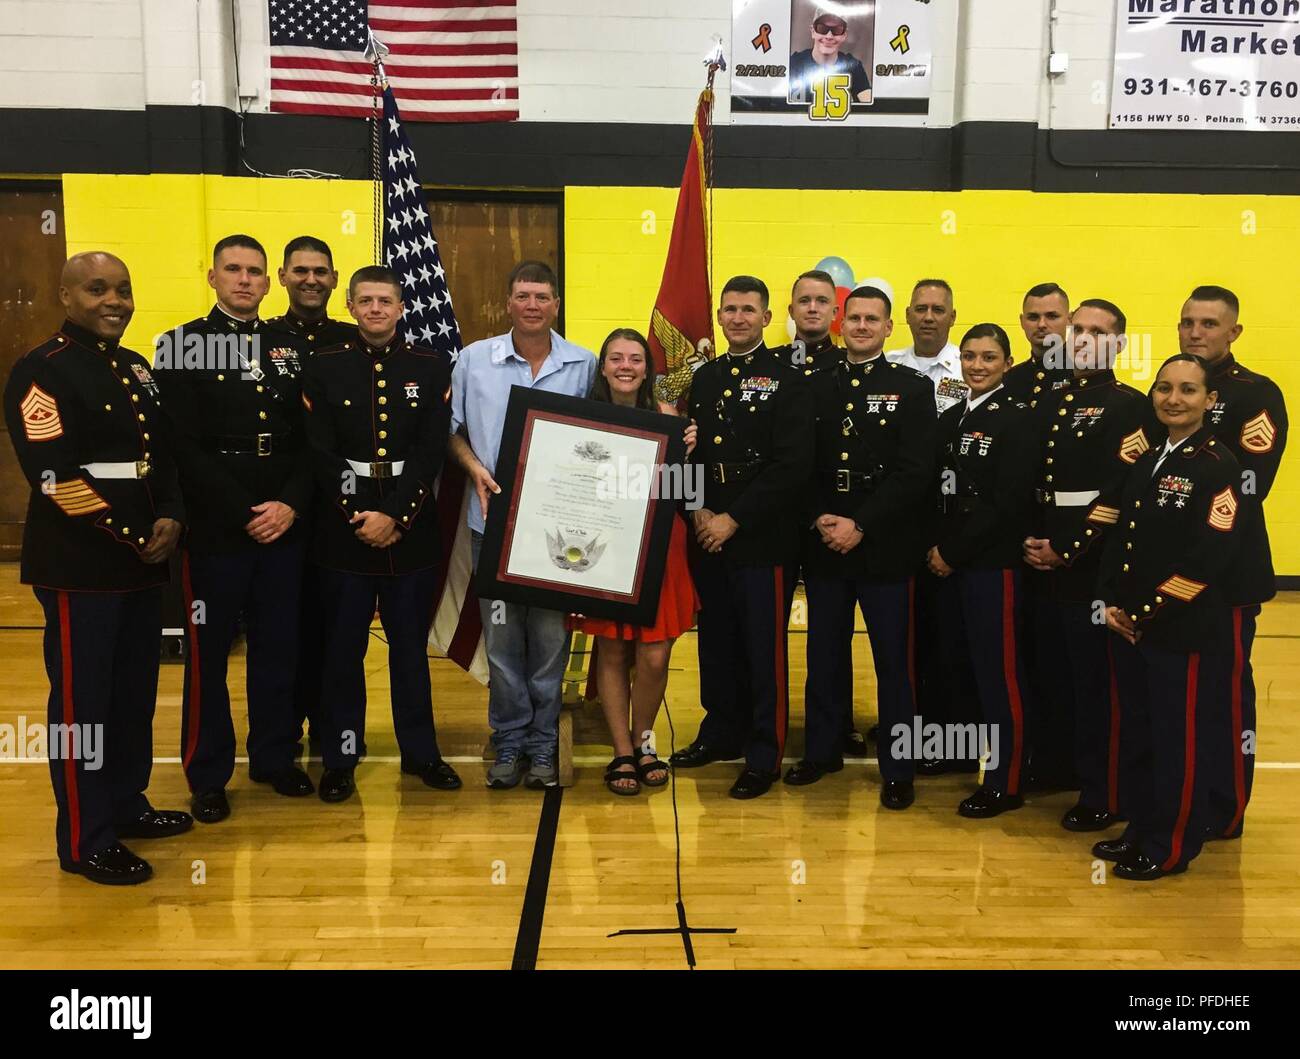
{"points": [[506, 771], [542, 772]]}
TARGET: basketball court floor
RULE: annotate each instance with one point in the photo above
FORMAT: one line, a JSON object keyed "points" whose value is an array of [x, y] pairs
{"points": [[820, 877]]}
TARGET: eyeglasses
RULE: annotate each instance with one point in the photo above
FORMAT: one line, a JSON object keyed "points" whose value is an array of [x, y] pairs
{"points": [[834, 27]]}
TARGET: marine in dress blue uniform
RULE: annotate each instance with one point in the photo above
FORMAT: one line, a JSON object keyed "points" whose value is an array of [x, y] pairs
{"points": [[872, 466], [987, 458], [104, 515], [233, 395], [1092, 432], [755, 429], [1164, 582], [309, 278], [1249, 418]]}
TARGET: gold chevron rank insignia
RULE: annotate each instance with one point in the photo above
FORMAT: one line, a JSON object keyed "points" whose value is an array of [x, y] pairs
{"points": [[1104, 516], [40, 412], [1183, 588], [1223, 510], [1258, 434], [77, 498], [1133, 446]]}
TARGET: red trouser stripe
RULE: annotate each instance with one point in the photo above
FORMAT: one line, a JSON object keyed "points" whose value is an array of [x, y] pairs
{"points": [[69, 764], [1112, 751], [1238, 762], [1189, 764], [192, 705], [1012, 681], [782, 680]]}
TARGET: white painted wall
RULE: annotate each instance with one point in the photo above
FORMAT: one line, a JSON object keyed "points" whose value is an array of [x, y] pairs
{"points": [[618, 60]]}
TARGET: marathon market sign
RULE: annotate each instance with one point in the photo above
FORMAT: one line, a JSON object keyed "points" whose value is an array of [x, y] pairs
{"points": [[1207, 64]]}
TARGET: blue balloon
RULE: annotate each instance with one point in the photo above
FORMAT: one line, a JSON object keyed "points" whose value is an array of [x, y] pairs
{"points": [[841, 271]]}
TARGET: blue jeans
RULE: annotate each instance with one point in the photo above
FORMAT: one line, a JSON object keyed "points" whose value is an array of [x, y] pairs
{"points": [[526, 651]]}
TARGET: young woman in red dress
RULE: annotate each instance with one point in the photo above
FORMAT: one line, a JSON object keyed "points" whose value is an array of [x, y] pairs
{"points": [[626, 376]]}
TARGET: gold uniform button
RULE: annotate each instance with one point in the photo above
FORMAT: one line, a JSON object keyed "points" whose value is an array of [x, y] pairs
{"points": [[884, 422], [383, 417], [112, 363], [311, 338], [1146, 608], [383, 400], [220, 377], [1048, 478], [146, 435], [347, 403], [1132, 617], [1040, 375], [1128, 546], [1079, 434], [126, 531], [1060, 411], [383, 433], [261, 415], [1078, 544], [849, 407], [1087, 533], [1132, 525], [717, 439], [380, 383], [726, 393], [1126, 568], [810, 360], [140, 416], [412, 503], [1051, 444], [378, 366], [1069, 397], [1159, 600], [1066, 555], [844, 455], [1137, 503], [735, 371], [415, 404], [108, 522], [108, 408], [135, 398], [140, 540], [1038, 389], [381, 452], [753, 408], [1049, 460], [856, 382], [1055, 426], [807, 371]]}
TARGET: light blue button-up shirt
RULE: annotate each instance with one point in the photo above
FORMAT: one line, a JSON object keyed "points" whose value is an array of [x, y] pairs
{"points": [[480, 391]]}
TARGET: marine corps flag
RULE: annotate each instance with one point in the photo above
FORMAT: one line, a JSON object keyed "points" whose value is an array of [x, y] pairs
{"points": [[681, 326]]}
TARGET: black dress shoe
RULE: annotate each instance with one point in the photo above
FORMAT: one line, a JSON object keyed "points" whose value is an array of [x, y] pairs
{"points": [[897, 794], [1113, 849], [752, 784], [855, 745], [698, 754], [987, 802], [1081, 818], [210, 807], [292, 782], [806, 772], [436, 774], [155, 823], [336, 785], [1138, 867], [114, 866]]}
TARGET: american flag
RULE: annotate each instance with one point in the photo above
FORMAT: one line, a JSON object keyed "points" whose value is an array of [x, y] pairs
{"points": [[449, 60], [411, 251]]}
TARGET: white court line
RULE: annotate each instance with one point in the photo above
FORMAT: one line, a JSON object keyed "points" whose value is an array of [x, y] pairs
{"points": [[469, 759]]}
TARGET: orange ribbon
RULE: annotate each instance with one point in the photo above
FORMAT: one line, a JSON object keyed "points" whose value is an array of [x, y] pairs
{"points": [[761, 41]]}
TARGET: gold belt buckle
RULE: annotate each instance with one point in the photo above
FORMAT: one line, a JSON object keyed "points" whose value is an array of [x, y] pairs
{"points": [[380, 470], [264, 444], [843, 483], [143, 468]]}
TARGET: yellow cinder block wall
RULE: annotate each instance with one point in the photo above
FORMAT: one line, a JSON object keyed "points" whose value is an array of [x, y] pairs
{"points": [[164, 226], [1143, 252]]}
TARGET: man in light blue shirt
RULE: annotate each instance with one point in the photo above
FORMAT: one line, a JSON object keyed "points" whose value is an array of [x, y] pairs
{"points": [[526, 646]]}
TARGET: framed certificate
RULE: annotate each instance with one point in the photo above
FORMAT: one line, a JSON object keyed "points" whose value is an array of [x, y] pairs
{"points": [[584, 516]]}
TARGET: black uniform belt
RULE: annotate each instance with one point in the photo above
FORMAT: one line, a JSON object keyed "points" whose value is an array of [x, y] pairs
{"points": [[734, 472], [246, 444], [846, 481]]}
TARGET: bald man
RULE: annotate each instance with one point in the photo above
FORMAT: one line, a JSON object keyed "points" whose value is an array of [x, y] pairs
{"points": [[104, 516]]}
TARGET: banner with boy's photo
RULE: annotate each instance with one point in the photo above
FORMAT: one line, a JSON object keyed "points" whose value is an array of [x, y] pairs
{"points": [[859, 62]]}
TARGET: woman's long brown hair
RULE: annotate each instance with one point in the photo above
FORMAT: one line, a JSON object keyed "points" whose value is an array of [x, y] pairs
{"points": [[645, 394]]}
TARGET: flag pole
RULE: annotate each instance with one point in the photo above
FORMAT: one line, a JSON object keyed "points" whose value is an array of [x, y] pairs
{"points": [[375, 51]]}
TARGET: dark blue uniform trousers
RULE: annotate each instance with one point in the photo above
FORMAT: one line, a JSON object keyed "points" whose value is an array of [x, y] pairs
{"points": [[1096, 704], [744, 666], [828, 692], [1166, 700], [101, 657], [991, 602], [311, 637], [1229, 757], [1045, 662], [945, 682], [263, 585], [406, 613]]}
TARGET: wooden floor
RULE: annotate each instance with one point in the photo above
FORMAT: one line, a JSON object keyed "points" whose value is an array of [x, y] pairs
{"points": [[402, 876]]}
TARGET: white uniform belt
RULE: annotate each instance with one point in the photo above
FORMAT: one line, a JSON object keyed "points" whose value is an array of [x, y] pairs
{"points": [[1077, 499], [370, 470], [126, 469]]}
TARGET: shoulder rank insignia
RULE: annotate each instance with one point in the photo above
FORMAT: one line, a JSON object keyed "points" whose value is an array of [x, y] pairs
{"points": [[1258, 434], [40, 411], [1133, 446], [1223, 510]]}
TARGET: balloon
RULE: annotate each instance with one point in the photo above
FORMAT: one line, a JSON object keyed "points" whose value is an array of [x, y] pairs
{"points": [[841, 293], [879, 284], [840, 270]]}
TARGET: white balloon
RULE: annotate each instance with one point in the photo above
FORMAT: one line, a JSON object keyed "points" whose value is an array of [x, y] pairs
{"points": [[879, 283]]}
